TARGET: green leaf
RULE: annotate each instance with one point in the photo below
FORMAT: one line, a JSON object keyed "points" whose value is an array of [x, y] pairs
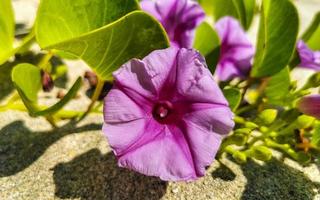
{"points": [[6, 30], [207, 42], [240, 9], [27, 80], [250, 6], [223, 8], [206, 39], [245, 11], [233, 96], [312, 34], [207, 6], [278, 87], [315, 139], [277, 37], [104, 33]]}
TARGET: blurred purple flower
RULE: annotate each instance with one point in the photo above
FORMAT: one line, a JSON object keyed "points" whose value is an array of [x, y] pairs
{"points": [[308, 58], [236, 50], [166, 116], [310, 105], [178, 17]]}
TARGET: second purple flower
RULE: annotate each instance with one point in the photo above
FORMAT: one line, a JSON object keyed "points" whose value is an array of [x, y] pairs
{"points": [[179, 18], [236, 50]]}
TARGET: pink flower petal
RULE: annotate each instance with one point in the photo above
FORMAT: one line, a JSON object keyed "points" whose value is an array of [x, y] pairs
{"points": [[194, 81], [202, 145], [160, 157]]}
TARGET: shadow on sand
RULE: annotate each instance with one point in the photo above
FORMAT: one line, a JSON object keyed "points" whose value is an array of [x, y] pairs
{"points": [[272, 180], [20, 147], [93, 175]]}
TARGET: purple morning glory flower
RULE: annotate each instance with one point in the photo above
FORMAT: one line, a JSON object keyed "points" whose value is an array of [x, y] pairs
{"points": [[310, 105], [308, 58], [236, 50], [178, 17], [166, 116]]}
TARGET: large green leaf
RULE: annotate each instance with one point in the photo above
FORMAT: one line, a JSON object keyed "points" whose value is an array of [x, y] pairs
{"points": [[240, 9], [312, 34], [277, 37], [207, 6], [27, 79], [6, 30], [104, 33], [249, 10], [223, 8], [278, 87]]}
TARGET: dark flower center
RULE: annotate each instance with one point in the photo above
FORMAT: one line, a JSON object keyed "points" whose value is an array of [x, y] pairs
{"points": [[162, 110]]}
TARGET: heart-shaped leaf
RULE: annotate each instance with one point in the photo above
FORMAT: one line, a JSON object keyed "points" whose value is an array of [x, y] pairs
{"points": [[6, 30], [312, 34], [27, 80], [277, 37], [104, 33]]}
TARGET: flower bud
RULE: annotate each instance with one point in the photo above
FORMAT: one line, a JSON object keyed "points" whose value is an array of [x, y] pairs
{"points": [[246, 131], [310, 105], [302, 157], [268, 116], [313, 81], [47, 82], [251, 125], [240, 157], [304, 121], [261, 153], [239, 139], [91, 77]]}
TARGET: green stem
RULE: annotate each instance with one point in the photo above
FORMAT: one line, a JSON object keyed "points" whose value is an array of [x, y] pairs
{"points": [[61, 114], [44, 61], [94, 97], [244, 109]]}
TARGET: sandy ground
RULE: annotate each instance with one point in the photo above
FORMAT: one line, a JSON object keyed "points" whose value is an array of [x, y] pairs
{"points": [[75, 162]]}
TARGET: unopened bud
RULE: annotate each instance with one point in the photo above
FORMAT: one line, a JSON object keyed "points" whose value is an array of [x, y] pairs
{"points": [[238, 139], [310, 105], [268, 116], [261, 153], [240, 157], [91, 77], [47, 82], [251, 125], [302, 157], [304, 121], [313, 81]]}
